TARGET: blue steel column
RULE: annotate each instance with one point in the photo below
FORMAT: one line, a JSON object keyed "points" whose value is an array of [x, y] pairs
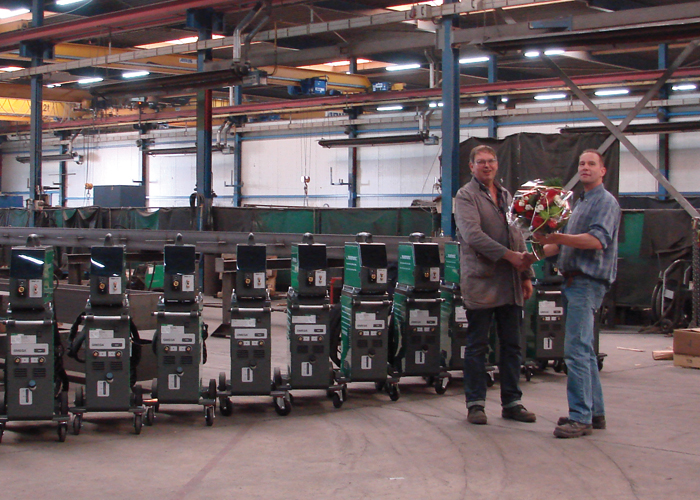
{"points": [[35, 50], [450, 124], [202, 20], [237, 154], [352, 152], [662, 115], [492, 101]]}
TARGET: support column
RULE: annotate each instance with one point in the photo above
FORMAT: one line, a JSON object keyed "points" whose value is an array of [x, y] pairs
{"points": [[352, 151], [63, 171], [662, 116], [492, 101], [450, 123], [237, 154], [202, 20], [37, 51]]}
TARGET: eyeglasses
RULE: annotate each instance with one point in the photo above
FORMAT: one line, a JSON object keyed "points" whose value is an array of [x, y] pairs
{"points": [[490, 161]]}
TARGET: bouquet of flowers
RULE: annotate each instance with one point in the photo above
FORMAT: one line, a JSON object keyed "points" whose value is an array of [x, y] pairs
{"points": [[540, 207]]}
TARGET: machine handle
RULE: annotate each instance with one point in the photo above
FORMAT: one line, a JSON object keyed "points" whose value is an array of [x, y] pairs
{"points": [[165, 314], [250, 309], [427, 301], [36, 322], [302, 306], [92, 317], [375, 303]]}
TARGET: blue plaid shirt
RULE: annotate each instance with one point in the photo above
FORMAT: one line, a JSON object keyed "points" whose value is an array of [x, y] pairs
{"points": [[598, 214]]}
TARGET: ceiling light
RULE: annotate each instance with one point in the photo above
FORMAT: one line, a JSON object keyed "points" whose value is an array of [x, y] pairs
{"points": [[86, 81], [684, 86], [11, 68], [7, 13], [435, 104], [67, 2], [396, 107], [481, 101], [554, 52], [609, 92], [474, 60], [403, 67], [532, 53], [53, 85], [504, 99], [549, 97], [135, 74]]}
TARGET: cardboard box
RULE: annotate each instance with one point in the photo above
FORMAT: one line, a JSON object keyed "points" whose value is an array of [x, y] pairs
{"points": [[686, 361], [687, 342]]}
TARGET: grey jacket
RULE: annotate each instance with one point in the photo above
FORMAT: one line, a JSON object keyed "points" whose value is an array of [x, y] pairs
{"points": [[486, 279]]}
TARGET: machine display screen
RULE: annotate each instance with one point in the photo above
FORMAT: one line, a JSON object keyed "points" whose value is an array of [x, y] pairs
{"points": [[427, 256], [312, 257], [251, 258], [179, 259], [373, 255], [27, 264], [107, 261]]}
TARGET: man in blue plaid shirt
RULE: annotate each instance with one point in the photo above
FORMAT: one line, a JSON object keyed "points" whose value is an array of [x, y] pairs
{"points": [[588, 261]]}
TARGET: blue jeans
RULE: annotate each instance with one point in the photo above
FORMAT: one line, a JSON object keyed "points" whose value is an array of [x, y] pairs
{"points": [[583, 296], [508, 320]]}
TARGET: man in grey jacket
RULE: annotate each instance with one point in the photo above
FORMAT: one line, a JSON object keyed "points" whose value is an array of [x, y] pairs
{"points": [[495, 281]]}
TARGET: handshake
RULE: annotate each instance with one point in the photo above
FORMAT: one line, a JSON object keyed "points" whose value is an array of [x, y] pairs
{"points": [[520, 260]]}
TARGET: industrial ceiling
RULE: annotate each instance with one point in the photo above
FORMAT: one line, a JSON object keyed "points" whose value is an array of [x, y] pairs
{"points": [[599, 43]]}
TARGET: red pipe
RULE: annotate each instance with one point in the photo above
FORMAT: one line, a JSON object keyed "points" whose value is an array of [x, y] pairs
{"points": [[160, 14], [372, 98]]}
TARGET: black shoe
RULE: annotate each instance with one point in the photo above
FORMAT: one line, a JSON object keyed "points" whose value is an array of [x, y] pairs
{"points": [[518, 413], [573, 429], [598, 421], [476, 415]]}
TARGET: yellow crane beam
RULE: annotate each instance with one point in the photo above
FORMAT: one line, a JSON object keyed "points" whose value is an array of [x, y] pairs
{"points": [[20, 110]]}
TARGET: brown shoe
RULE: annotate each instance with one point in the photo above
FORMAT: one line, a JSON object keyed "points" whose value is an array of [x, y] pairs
{"points": [[518, 413], [573, 429], [476, 415], [598, 421]]}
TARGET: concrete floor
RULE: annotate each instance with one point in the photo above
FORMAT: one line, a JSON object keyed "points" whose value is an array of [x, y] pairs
{"points": [[420, 447]]}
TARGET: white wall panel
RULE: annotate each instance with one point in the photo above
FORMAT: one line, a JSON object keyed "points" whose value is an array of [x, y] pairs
{"points": [[634, 178], [684, 171], [172, 179]]}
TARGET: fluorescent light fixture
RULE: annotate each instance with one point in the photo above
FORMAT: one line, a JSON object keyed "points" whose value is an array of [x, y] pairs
{"points": [[435, 104], [403, 67], [504, 99], [135, 74], [549, 97], [474, 60], [554, 52], [67, 2], [53, 85], [481, 101], [684, 86], [7, 13], [609, 92], [532, 53], [86, 81], [11, 68], [396, 107]]}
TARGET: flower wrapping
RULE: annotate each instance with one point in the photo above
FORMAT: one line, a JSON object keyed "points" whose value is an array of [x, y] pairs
{"points": [[540, 206]]}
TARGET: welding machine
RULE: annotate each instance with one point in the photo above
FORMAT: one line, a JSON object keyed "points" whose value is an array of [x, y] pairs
{"points": [[36, 385]]}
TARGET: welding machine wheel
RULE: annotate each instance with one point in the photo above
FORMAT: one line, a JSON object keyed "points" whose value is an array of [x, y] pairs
{"points": [[209, 415], [77, 424], [138, 422], [62, 431]]}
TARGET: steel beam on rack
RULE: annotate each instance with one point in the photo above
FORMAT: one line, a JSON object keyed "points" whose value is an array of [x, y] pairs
{"points": [[209, 242]]}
